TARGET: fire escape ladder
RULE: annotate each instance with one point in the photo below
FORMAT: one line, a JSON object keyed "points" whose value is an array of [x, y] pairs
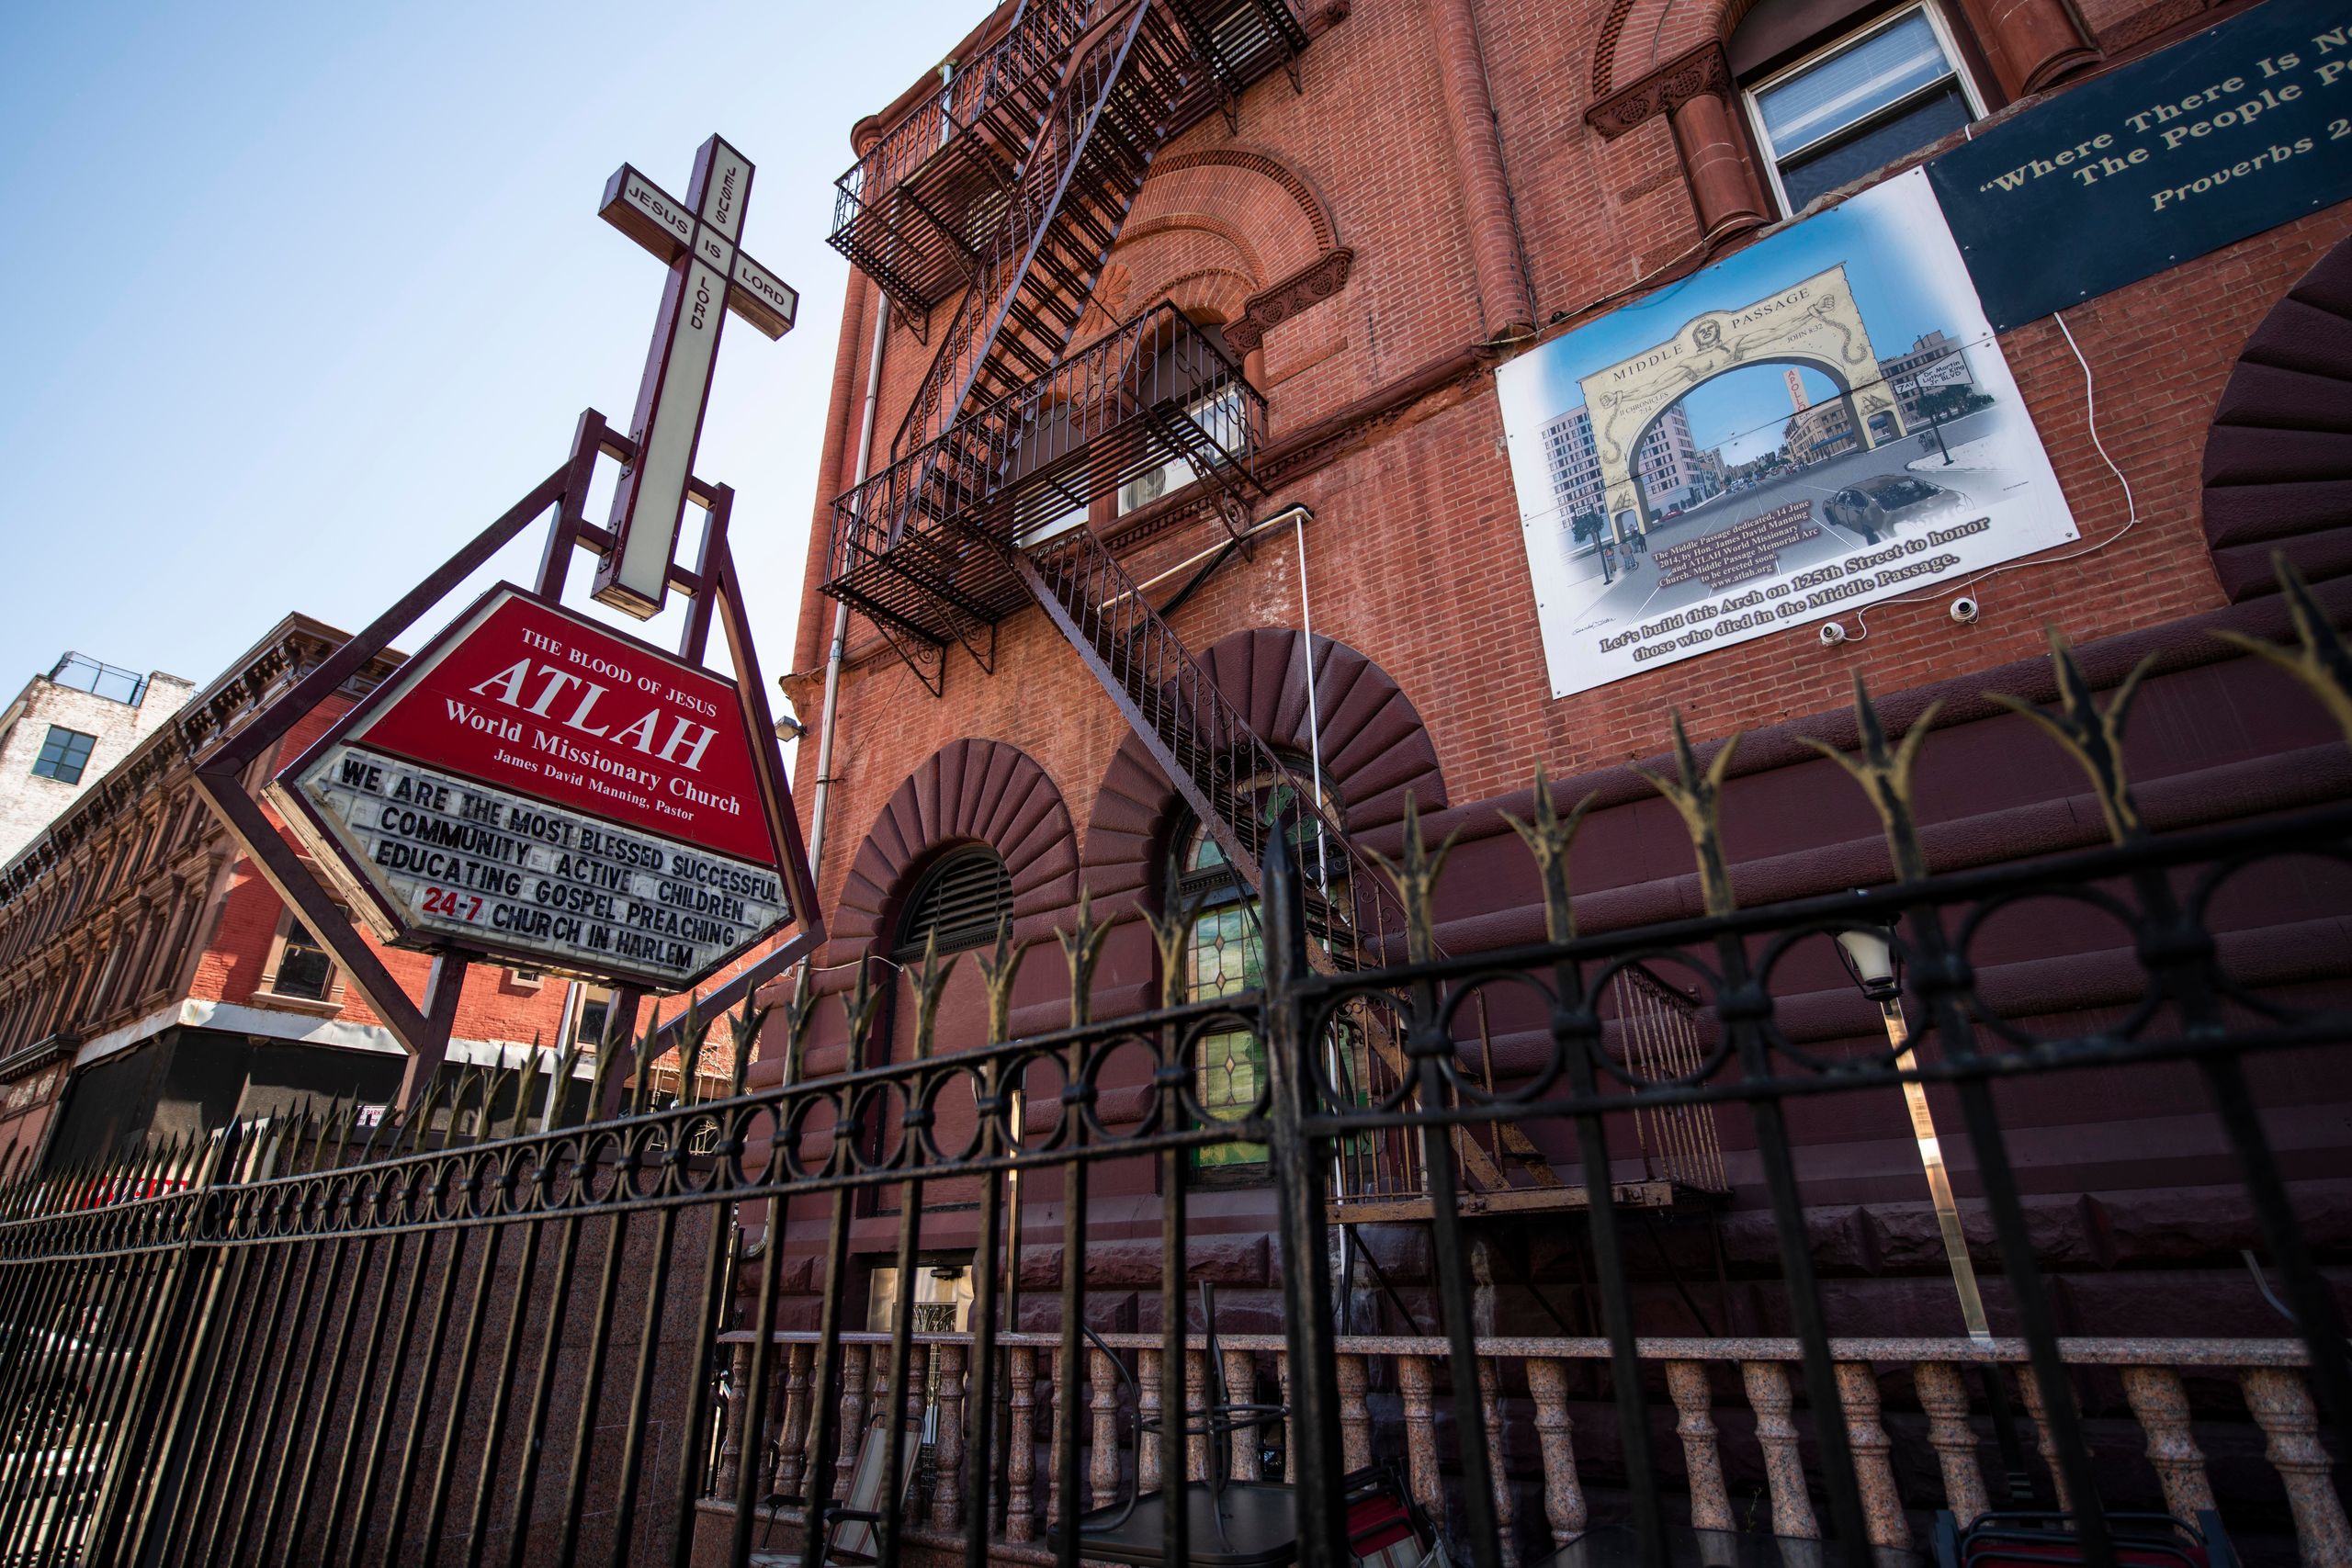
{"points": [[1063, 214], [1220, 766]]}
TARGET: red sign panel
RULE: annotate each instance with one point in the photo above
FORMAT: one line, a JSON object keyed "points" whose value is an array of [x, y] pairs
{"points": [[536, 787], [534, 699]]}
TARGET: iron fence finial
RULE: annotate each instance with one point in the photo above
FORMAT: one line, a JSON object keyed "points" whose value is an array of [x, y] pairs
{"points": [[2320, 663], [999, 969], [1082, 945], [2092, 737], [1548, 838], [1698, 798], [930, 983], [1884, 774], [1415, 878]]}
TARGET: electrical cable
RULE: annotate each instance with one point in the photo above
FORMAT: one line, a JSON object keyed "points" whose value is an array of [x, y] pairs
{"points": [[2130, 506]]}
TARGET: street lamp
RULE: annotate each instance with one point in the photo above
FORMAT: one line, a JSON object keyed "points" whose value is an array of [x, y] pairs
{"points": [[1869, 952]]}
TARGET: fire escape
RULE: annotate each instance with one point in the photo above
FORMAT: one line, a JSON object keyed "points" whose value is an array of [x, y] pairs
{"points": [[1005, 192]]}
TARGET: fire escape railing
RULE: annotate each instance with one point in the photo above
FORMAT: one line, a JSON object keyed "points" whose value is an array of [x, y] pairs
{"points": [[935, 524], [917, 211]]}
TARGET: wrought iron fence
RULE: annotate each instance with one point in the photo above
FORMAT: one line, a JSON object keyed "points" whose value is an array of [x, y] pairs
{"points": [[473, 1337]]}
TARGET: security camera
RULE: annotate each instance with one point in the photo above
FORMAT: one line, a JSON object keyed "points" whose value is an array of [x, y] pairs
{"points": [[1832, 634], [1965, 610]]}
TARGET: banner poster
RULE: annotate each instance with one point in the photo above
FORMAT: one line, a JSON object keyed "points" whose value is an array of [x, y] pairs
{"points": [[1820, 422], [2141, 168]]}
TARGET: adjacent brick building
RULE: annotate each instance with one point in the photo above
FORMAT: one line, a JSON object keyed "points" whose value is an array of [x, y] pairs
{"points": [[151, 983]]}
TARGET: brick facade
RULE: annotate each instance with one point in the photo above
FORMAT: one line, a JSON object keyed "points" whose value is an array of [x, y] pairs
{"points": [[1384, 421]]}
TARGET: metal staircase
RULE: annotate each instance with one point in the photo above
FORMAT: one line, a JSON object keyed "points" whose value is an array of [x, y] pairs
{"points": [[1228, 775], [1010, 186]]}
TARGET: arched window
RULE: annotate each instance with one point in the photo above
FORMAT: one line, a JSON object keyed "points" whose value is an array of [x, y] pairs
{"points": [[1836, 90], [962, 899], [1226, 953]]}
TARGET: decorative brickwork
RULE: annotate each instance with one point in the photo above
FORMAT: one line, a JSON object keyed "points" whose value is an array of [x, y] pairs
{"points": [[1310, 285], [968, 791], [2278, 463], [1374, 751], [1701, 69]]}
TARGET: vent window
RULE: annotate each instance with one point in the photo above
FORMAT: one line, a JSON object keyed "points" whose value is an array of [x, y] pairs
{"points": [[962, 900]]}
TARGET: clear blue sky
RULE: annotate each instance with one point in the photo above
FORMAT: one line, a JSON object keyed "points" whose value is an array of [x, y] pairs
{"points": [[304, 295]]}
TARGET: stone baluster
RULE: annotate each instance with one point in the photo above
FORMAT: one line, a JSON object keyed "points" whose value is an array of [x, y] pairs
{"points": [[1241, 1388], [1497, 1462], [1944, 1396], [1356, 1413], [1873, 1462], [2162, 1406], [1020, 1445], [1290, 1420], [1775, 1434], [2029, 1389], [853, 1366], [2282, 1408], [1420, 1435], [1147, 1414], [1103, 1474], [947, 1454], [792, 1455], [1686, 1381], [1196, 1397], [1563, 1507], [1050, 1395], [730, 1444]]}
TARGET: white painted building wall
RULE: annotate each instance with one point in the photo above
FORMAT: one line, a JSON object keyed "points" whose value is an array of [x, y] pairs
{"points": [[29, 802]]}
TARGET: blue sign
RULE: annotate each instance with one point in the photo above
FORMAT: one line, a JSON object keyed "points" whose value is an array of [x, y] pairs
{"points": [[2225, 134]]}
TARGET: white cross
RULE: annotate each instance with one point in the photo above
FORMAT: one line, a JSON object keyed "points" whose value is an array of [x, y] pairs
{"points": [[709, 275]]}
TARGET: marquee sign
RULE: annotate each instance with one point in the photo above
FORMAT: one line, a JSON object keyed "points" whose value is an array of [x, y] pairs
{"points": [[539, 788]]}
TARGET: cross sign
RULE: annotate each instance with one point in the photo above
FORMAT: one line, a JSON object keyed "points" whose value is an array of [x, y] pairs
{"points": [[709, 275]]}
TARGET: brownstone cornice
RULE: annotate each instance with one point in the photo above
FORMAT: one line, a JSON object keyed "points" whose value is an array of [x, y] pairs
{"points": [[1311, 284], [1698, 71]]}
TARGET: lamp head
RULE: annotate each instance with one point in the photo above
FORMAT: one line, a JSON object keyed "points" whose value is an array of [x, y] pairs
{"points": [[1869, 952]]}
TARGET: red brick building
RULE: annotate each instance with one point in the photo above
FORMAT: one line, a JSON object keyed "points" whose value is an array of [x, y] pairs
{"points": [[151, 983], [1368, 213]]}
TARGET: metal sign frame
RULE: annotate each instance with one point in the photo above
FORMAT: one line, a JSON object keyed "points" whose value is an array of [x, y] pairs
{"points": [[713, 592], [391, 922]]}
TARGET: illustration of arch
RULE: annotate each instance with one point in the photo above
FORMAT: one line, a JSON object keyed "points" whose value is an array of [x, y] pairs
{"points": [[1375, 750], [967, 792], [1814, 323]]}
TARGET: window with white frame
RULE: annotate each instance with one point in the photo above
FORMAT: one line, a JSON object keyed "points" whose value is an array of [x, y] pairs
{"points": [[1860, 103], [1220, 418]]}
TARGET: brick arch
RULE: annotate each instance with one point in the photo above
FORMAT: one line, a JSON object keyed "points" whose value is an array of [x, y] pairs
{"points": [[2278, 472], [1294, 184], [968, 791], [1638, 36], [1210, 294], [1375, 750]]}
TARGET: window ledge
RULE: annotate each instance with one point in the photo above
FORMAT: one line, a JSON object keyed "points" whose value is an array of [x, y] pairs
{"points": [[327, 1008]]}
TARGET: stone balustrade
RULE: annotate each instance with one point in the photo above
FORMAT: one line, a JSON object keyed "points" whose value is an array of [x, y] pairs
{"points": [[1703, 1380]]}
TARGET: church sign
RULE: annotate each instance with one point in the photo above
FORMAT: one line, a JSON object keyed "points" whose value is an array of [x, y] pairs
{"points": [[539, 788]]}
